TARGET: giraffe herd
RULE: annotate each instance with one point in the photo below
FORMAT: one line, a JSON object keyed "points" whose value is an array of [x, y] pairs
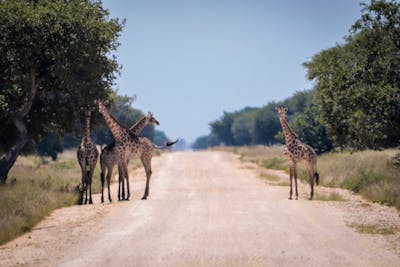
{"points": [[128, 144]]}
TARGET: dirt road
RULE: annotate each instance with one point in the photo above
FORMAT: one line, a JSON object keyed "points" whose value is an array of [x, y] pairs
{"points": [[204, 209]]}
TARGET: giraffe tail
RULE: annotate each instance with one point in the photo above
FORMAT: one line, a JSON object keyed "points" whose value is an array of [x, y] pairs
{"points": [[166, 145], [316, 177]]}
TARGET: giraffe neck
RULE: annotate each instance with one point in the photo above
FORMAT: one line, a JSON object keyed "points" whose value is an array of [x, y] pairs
{"points": [[87, 130], [287, 131], [138, 127], [115, 127]]}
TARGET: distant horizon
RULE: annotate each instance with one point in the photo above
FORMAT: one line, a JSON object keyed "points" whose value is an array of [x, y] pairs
{"points": [[188, 61]]}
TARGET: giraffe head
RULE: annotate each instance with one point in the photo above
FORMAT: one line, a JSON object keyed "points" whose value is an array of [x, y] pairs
{"points": [[88, 113], [151, 119], [281, 111], [102, 105]]}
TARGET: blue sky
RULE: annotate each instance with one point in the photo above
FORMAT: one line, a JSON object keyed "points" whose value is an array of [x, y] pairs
{"points": [[188, 61]]}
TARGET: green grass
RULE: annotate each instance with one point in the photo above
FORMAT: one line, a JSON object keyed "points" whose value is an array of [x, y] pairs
{"points": [[373, 174], [36, 186]]}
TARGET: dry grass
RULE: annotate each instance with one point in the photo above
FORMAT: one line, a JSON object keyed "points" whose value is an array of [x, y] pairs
{"points": [[370, 173], [36, 186], [372, 229], [332, 196], [270, 157]]}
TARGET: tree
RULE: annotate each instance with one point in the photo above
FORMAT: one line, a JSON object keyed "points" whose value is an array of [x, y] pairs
{"points": [[309, 129], [50, 146], [266, 125], [55, 59], [221, 129], [358, 83], [299, 101], [243, 127], [201, 143], [160, 138]]}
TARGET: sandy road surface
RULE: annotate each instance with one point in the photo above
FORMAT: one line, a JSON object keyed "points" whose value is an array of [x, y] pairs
{"points": [[203, 210]]}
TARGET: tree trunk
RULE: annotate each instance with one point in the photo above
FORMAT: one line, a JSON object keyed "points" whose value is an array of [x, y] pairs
{"points": [[8, 159]]}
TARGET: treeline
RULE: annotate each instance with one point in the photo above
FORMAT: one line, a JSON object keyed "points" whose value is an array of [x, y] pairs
{"points": [[261, 126], [122, 110], [355, 103]]}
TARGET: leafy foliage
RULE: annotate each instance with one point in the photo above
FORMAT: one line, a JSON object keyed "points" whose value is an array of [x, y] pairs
{"points": [[266, 125], [69, 43], [160, 138], [262, 126], [50, 146], [243, 127], [201, 142], [358, 83], [221, 129], [311, 131], [55, 60]]}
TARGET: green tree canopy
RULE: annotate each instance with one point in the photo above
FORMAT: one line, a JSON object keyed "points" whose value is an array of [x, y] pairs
{"points": [[358, 83], [221, 129], [311, 131], [201, 142], [266, 125], [55, 59], [243, 127]]}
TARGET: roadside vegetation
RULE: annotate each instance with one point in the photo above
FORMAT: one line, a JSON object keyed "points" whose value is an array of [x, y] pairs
{"points": [[373, 174], [353, 107], [38, 185]]}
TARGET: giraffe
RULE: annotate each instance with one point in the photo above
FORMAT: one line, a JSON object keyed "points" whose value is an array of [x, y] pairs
{"points": [[128, 145], [109, 156], [147, 148], [87, 157], [125, 142], [296, 151]]}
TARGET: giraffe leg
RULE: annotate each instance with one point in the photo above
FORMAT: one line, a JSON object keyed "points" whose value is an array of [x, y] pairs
{"points": [[128, 194], [83, 185], [90, 194], [121, 183], [311, 175], [109, 174], [290, 177], [146, 161], [295, 181], [90, 177], [86, 186], [126, 175], [102, 185]]}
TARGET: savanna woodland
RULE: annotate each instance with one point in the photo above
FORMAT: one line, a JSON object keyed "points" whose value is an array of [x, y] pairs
{"points": [[57, 58]]}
